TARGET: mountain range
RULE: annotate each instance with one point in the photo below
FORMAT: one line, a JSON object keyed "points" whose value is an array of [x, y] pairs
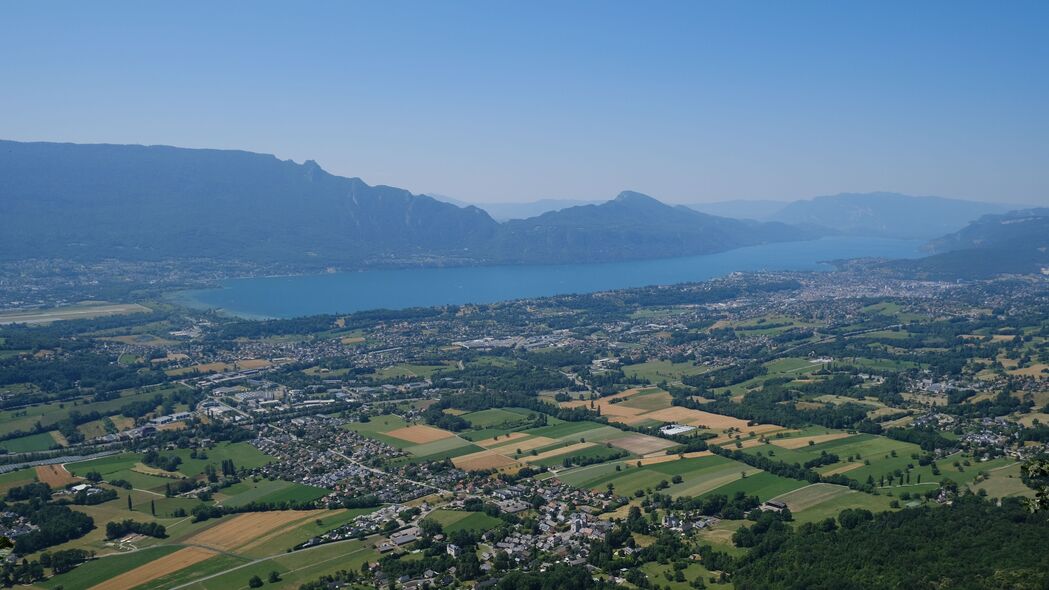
{"points": [[879, 214], [87, 202], [136, 202], [129, 202]]}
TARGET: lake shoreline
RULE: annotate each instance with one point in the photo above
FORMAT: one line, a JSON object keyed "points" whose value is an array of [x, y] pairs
{"points": [[289, 296]]}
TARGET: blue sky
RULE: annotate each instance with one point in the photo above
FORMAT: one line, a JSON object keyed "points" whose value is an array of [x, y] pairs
{"points": [[513, 101]]}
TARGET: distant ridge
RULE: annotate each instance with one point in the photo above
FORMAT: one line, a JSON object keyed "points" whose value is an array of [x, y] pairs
{"points": [[91, 202], [891, 215], [1013, 243], [879, 214], [137, 202], [519, 210]]}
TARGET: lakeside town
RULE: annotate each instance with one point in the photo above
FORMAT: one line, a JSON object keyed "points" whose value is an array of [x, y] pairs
{"points": [[456, 445]]}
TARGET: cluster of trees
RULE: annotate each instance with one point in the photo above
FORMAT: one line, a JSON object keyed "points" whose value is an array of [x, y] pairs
{"points": [[62, 561], [24, 572], [825, 458], [720, 505], [166, 402], [228, 469], [769, 525], [435, 417], [520, 377], [202, 512], [118, 529], [476, 401], [725, 377], [926, 438], [365, 501], [74, 372], [36, 490], [973, 544], [180, 486], [582, 460], [1002, 404], [558, 577], [668, 548], [57, 524], [153, 458], [137, 409], [773, 404]]}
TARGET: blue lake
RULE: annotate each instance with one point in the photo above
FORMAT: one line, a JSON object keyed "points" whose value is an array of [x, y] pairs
{"points": [[292, 296]]}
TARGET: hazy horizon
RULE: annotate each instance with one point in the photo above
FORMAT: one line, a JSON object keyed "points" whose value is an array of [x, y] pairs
{"points": [[686, 102]]}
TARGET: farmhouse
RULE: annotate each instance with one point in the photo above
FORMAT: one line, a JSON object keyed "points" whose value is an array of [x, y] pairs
{"points": [[171, 418], [773, 506], [672, 429]]}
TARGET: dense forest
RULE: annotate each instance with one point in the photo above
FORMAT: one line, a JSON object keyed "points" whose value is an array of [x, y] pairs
{"points": [[972, 544]]}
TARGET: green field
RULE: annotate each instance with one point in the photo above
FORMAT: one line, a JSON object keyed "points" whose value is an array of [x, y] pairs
{"points": [[295, 568], [1003, 482], [594, 452], [877, 364], [213, 566], [120, 467], [17, 477], [270, 491], [648, 399], [409, 370], [495, 417], [564, 429], [304, 532], [763, 485], [28, 444], [99, 570], [499, 422], [242, 454], [437, 450], [458, 520], [784, 367], [700, 475], [165, 507], [52, 413], [819, 501], [656, 574], [377, 426], [444, 448], [878, 452], [93, 429], [658, 370]]}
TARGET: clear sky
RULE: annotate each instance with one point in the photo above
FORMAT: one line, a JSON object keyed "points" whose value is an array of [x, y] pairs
{"points": [[514, 101]]}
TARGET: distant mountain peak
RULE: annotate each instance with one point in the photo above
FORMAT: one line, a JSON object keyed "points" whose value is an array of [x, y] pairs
{"points": [[636, 197]]}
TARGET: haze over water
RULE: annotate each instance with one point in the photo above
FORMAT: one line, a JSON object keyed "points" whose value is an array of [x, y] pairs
{"points": [[284, 297]]}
